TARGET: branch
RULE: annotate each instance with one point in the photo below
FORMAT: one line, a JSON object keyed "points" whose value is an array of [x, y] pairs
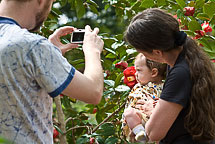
{"points": [[76, 127], [107, 118], [61, 120]]}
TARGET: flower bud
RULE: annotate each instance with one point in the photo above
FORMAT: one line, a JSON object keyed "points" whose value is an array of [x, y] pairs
{"points": [[55, 133], [189, 11], [122, 65]]}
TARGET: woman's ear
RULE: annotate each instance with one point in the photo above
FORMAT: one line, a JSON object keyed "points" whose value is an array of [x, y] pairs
{"points": [[154, 72], [158, 52]]}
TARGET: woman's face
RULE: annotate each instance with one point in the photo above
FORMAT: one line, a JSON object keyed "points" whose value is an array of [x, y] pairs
{"points": [[143, 73], [155, 55]]}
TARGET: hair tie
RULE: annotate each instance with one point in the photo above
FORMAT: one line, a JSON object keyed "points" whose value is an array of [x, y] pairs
{"points": [[180, 38]]}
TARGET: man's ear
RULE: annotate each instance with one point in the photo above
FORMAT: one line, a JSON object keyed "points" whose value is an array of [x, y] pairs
{"points": [[40, 2], [154, 72]]}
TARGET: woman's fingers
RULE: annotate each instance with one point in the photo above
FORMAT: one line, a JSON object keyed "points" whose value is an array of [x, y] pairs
{"points": [[141, 102]]}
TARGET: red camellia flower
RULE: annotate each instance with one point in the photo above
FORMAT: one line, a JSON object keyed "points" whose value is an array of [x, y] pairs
{"points": [[61, 95], [94, 110], [213, 60], [206, 27], [199, 34], [184, 27], [129, 76], [122, 65], [189, 11], [55, 133], [92, 140]]}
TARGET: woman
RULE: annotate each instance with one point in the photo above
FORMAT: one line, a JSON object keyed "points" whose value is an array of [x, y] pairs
{"points": [[185, 113]]}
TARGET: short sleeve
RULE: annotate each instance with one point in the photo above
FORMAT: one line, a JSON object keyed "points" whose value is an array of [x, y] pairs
{"points": [[49, 68], [177, 87]]}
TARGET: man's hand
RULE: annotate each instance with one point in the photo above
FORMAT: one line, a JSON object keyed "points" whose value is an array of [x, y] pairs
{"points": [[92, 42], [55, 39]]}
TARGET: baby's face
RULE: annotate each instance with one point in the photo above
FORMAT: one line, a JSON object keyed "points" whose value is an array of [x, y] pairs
{"points": [[143, 73]]}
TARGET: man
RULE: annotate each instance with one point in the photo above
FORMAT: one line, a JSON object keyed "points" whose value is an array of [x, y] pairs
{"points": [[33, 71]]}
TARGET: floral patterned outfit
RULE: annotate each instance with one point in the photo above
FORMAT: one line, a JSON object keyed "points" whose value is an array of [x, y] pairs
{"points": [[142, 92]]}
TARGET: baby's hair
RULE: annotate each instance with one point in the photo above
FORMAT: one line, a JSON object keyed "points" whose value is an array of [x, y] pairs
{"points": [[161, 67]]}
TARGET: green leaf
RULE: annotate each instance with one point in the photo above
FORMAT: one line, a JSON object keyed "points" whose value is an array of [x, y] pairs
{"points": [[118, 80], [122, 88], [93, 3], [80, 9], [109, 82], [205, 43], [191, 4], [111, 51], [203, 16], [147, 3], [107, 129], [199, 3], [58, 129], [111, 140], [194, 25], [82, 140], [79, 66], [74, 62], [179, 13], [110, 55], [109, 41], [181, 3], [209, 9], [161, 2], [107, 6], [212, 21], [93, 9], [136, 5], [100, 140], [63, 2]]}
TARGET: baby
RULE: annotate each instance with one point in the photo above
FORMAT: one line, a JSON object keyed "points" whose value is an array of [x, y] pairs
{"points": [[150, 76]]}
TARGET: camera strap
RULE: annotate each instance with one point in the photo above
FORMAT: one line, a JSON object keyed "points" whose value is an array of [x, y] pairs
{"points": [[8, 21]]}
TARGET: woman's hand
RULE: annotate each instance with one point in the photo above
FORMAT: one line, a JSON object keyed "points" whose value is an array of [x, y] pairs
{"points": [[133, 117], [55, 39]]}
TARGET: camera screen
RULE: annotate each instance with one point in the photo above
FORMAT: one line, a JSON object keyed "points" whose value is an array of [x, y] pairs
{"points": [[79, 36]]}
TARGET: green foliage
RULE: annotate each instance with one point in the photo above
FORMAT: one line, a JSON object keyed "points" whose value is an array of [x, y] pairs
{"points": [[112, 17]]}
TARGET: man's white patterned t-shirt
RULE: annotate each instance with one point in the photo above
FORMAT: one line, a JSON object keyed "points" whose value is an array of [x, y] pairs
{"points": [[32, 71]]}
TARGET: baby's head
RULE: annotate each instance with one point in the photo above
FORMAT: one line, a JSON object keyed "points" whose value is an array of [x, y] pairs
{"points": [[149, 71]]}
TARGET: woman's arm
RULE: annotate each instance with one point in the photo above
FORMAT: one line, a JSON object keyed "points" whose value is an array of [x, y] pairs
{"points": [[162, 118]]}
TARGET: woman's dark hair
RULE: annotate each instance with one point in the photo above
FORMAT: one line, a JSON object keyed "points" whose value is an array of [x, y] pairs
{"points": [[156, 29]]}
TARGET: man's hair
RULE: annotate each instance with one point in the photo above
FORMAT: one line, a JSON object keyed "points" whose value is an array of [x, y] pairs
{"points": [[156, 29], [161, 67], [19, 0]]}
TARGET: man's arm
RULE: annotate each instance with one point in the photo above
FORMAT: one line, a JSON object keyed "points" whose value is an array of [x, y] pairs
{"points": [[87, 87]]}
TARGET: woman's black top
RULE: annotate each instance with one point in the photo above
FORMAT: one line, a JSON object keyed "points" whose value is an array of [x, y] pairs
{"points": [[177, 89]]}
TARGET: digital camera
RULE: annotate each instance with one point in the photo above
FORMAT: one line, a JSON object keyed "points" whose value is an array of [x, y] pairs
{"points": [[77, 36]]}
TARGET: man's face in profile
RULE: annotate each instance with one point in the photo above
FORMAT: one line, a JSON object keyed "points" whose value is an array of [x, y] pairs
{"points": [[42, 15]]}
